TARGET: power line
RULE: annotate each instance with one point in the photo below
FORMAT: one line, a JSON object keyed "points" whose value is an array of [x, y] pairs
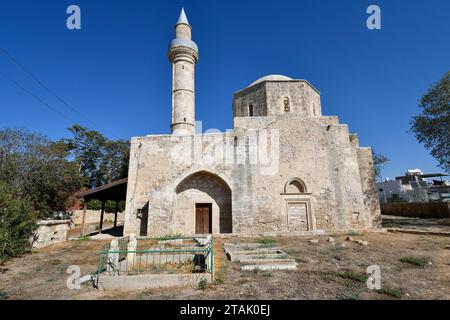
{"points": [[45, 87], [36, 97]]}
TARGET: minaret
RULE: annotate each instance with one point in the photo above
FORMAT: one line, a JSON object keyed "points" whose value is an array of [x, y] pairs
{"points": [[183, 53]]}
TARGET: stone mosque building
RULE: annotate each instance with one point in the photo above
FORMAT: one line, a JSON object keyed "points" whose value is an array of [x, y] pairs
{"points": [[283, 168]]}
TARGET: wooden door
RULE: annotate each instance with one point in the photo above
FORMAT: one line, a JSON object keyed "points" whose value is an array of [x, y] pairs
{"points": [[203, 218]]}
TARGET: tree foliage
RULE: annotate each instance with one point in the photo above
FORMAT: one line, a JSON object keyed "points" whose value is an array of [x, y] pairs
{"points": [[100, 160], [17, 222], [39, 176], [432, 126], [38, 170], [110, 206], [379, 161]]}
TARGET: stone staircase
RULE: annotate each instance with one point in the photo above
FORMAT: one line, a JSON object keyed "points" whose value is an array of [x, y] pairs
{"points": [[258, 256]]}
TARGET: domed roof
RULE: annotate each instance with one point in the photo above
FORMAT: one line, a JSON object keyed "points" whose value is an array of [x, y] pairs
{"points": [[272, 77]]}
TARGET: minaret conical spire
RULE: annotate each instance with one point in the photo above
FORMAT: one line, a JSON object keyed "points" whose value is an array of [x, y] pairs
{"points": [[183, 18]]}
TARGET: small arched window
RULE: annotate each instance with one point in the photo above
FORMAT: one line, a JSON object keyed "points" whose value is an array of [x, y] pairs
{"points": [[287, 104], [250, 110], [295, 186]]}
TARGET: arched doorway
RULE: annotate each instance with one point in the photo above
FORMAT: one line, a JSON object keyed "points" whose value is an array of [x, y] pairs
{"points": [[205, 199]]}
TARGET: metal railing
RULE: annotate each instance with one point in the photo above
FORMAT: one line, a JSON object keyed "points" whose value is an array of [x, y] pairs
{"points": [[172, 255]]}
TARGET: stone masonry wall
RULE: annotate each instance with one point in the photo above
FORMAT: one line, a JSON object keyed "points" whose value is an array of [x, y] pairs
{"points": [[243, 173], [50, 232], [316, 150], [267, 99]]}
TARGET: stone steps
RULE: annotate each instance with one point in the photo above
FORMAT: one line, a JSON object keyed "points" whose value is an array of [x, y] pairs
{"points": [[258, 256], [268, 264], [248, 247], [272, 256], [257, 251]]}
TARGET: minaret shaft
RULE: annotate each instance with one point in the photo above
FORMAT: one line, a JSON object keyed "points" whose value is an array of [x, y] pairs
{"points": [[183, 54]]}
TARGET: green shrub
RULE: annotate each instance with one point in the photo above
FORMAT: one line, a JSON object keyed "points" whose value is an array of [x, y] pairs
{"points": [[3, 295], [219, 280], [354, 295], [55, 262], [266, 273], [355, 234], [220, 276], [17, 223], [353, 276], [110, 206], [416, 261], [268, 241], [202, 284], [393, 292], [170, 237]]}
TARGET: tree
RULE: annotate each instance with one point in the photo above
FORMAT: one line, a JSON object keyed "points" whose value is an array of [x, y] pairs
{"points": [[100, 160], [17, 223], [38, 170], [379, 161], [115, 160], [432, 126], [86, 149]]}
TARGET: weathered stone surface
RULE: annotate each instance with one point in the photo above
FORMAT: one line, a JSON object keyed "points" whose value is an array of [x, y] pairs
{"points": [[283, 168], [93, 216], [131, 248], [50, 232], [112, 262], [362, 242], [256, 256], [150, 281], [268, 264]]}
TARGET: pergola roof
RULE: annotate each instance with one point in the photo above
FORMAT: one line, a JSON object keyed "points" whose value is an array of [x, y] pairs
{"points": [[434, 175], [116, 191]]}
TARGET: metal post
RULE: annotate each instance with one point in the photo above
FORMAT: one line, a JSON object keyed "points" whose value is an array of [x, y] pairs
{"points": [[83, 221], [101, 217], [115, 216], [384, 191]]}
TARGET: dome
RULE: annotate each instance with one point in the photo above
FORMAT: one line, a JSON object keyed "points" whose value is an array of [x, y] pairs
{"points": [[272, 77]]}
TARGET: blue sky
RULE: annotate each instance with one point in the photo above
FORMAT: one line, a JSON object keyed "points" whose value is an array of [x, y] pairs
{"points": [[115, 71]]}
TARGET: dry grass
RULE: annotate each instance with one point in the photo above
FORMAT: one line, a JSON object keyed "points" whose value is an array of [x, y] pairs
{"points": [[325, 271]]}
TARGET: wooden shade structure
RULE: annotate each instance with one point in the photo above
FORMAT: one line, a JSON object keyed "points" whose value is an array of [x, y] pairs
{"points": [[114, 191]]}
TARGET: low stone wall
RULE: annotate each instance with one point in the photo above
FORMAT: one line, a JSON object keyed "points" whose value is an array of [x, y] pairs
{"points": [[50, 232], [93, 216], [417, 209], [151, 281]]}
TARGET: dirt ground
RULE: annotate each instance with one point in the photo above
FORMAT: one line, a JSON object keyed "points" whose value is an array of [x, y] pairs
{"points": [[325, 271], [439, 225]]}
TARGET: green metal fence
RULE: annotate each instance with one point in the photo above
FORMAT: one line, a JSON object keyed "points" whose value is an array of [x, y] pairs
{"points": [[158, 255]]}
